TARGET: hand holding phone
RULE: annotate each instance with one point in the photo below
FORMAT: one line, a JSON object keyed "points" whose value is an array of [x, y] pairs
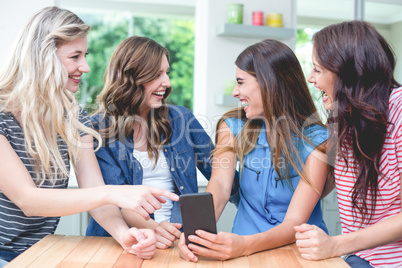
{"points": [[197, 211]]}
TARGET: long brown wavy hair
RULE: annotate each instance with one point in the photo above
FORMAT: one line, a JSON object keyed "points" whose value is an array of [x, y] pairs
{"points": [[363, 64], [135, 62], [288, 106]]}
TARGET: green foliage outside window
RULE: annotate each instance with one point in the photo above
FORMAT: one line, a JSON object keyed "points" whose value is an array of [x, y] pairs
{"points": [[109, 30]]}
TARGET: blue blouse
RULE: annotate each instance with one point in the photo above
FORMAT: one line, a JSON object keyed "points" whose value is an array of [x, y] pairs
{"points": [[264, 198]]}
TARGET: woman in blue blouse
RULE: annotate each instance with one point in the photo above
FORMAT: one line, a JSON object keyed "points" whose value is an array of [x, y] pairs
{"points": [[279, 141], [146, 141]]}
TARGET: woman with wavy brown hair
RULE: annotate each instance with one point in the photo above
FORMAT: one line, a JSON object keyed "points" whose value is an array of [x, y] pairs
{"points": [[145, 140], [354, 70], [276, 137]]}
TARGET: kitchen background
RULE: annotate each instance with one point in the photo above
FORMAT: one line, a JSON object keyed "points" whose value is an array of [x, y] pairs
{"points": [[203, 48]]}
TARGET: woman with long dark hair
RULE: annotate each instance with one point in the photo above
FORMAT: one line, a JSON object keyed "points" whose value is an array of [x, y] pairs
{"points": [[276, 135], [354, 70]]}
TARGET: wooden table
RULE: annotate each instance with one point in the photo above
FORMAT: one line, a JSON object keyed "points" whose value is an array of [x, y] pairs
{"points": [[89, 252]]}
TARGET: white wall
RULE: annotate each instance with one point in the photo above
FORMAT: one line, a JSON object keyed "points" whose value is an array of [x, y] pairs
{"points": [[215, 56], [13, 16], [396, 43], [392, 33]]}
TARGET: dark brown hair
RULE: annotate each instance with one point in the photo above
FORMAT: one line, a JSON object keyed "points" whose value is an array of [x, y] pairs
{"points": [[288, 106], [135, 62], [363, 64]]}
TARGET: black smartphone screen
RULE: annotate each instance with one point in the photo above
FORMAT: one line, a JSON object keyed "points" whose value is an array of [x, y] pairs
{"points": [[197, 211]]}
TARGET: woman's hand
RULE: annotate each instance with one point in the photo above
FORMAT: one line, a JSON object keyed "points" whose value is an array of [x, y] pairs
{"points": [[142, 199], [166, 234], [141, 242], [185, 253], [221, 246], [314, 243]]}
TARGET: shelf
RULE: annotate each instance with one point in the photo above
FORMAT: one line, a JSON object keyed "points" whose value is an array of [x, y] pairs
{"points": [[241, 30], [227, 100]]}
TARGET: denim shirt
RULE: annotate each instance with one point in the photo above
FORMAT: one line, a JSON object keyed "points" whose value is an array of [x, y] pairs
{"points": [[189, 148], [264, 197]]}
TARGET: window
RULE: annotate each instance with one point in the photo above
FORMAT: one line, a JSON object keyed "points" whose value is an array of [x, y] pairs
{"points": [[385, 15], [110, 28]]}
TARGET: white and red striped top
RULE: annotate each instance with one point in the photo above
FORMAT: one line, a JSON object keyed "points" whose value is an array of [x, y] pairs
{"points": [[389, 187]]}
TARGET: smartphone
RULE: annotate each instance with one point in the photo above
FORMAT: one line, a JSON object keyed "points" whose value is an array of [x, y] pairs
{"points": [[197, 212]]}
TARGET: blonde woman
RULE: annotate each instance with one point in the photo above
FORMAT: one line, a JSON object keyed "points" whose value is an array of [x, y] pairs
{"points": [[41, 129]]}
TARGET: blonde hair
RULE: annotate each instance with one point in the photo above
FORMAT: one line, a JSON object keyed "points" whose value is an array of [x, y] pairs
{"points": [[33, 87]]}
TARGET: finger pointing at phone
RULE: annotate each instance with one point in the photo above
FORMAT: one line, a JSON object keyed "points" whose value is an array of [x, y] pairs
{"points": [[142, 199]]}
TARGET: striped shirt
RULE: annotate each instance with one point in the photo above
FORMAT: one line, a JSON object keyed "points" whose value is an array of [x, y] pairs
{"points": [[17, 231], [389, 188]]}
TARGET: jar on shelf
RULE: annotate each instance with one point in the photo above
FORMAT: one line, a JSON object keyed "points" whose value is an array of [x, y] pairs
{"points": [[235, 13], [258, 18], [274, 20]]}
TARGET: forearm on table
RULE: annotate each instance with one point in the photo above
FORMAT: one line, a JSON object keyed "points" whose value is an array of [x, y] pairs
{"points": [[134, 219], [111, 219], [280, 235], [381, 233]]}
